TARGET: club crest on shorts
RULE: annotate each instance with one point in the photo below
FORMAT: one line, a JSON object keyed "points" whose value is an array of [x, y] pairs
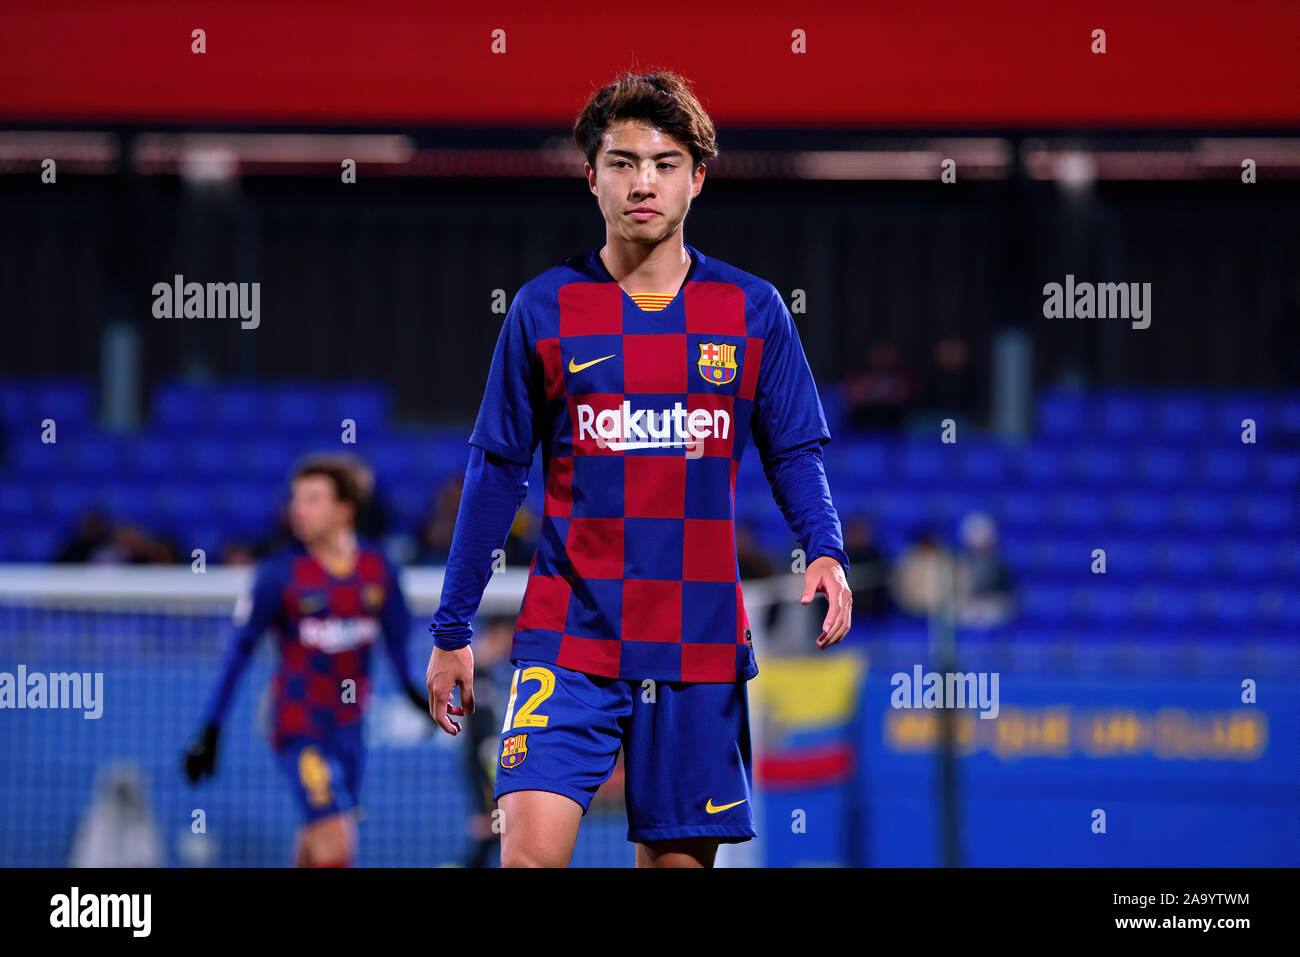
{"points": [[717, 362], [513, 750]]}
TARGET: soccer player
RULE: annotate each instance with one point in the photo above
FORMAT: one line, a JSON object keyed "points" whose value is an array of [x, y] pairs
{"points": [[642, 369], [328, 596]]}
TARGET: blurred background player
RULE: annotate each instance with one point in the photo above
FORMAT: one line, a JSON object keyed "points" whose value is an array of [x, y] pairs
{"points": [[328, 596], [492, 670]]}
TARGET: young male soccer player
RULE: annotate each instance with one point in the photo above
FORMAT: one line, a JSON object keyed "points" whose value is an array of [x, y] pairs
{"points": [[329, 596], [642, 369]]}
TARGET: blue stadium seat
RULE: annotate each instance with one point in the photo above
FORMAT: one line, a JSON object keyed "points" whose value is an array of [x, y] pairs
{"points": [[1124, 417], [206, 458], [293, 408], [1185, 559], [95, 454], [1042, 465], [1181, 417], [902, 512], [1235, 607], [927, 463], [239, 408], [1161, 465], [153, 454], [1047, 604], [367, 405], [28, 455], [1247, 560], [1077, 509], [126, 501], [1062, 415], [1269, 512], [266, 458], [410, 500], [388, 455], [832, 407], [1228, 410], [180, 407], [1208, 513], [981, 463], [1168, 605], [249, 504], [205, 534], [1141, 510], [1096, 464], [181, 503], [1109, 603], [17, 499], [1022, 508], [1287, 414], [63, 502], [34, 543], [855, 457], [1131, 559], [67, 402], [1223, 466], [1281, 469]]}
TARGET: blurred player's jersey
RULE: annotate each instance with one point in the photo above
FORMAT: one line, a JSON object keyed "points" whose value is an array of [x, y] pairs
{"points": [[642, 416], [326, 627]]}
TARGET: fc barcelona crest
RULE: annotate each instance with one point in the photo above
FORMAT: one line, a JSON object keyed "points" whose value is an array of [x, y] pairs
{"points": [[513, 750], [717, 362]]}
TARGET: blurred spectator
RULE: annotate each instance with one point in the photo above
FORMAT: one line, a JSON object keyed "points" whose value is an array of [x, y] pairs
{"points": [[98, 542], [440, 523], [281, 534], [118, 829], [372, 517], [879, 396], [492, 677], [435, 535], [868, 569], [522, 540], [238, 553], [92, 533], [924, 578], [984, 584], [753, 561], [950, 387]]}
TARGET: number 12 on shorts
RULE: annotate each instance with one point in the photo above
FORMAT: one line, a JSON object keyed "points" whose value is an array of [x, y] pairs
{"points": [[526, 718]]}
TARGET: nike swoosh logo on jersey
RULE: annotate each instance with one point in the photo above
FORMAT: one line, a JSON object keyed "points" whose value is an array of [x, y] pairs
{"points": [[573, 367], [711, 808]]}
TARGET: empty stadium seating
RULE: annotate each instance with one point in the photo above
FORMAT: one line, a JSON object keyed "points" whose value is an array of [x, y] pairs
{"points": [[1200, 530]]}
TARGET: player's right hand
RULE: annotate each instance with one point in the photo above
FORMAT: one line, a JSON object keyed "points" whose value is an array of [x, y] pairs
{"points": [[447, 671], [201, 755]]}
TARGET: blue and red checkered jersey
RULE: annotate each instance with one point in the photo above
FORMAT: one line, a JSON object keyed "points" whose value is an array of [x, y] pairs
{"points": [[642, 415], [326, 626]]}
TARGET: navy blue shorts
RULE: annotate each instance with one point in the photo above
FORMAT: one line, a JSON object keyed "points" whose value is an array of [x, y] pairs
{"points": [[686, 749], [324, 775]]}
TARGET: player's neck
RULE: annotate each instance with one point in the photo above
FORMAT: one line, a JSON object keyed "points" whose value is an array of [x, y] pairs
{"points": [[656, 270], [336, 551]]}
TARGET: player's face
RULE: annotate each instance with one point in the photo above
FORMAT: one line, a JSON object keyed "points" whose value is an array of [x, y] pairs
{"points": [[315, 511], [640, 166]]}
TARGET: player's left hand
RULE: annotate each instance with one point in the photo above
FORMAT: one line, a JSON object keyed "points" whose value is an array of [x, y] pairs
{"points": [[826, 575]]}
